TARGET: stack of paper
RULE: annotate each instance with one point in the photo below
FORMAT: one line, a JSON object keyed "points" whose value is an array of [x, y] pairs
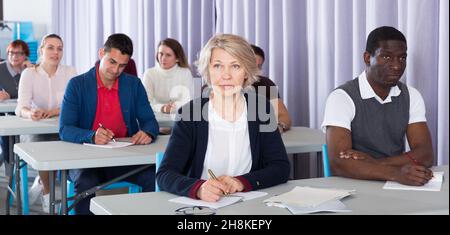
{"points": [[303, 200], [224, 201], [433, 185]]}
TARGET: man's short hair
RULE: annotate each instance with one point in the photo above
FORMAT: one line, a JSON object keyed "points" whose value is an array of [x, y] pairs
{"points": [[120, 42], [258, 51], [384, 33]]}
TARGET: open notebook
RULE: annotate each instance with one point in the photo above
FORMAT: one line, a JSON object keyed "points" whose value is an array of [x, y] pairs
{"points": [[433, 185], [224, 201], [111, 145]]}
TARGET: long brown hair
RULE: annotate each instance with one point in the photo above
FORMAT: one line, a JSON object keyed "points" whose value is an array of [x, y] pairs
{"points": [[177, 49]]}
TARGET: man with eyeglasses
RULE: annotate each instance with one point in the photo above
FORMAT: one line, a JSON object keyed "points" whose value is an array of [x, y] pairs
{"points": [[10, 71]]}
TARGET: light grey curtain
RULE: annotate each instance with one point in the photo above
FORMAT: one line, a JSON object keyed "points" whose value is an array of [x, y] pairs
{"points": [[313, 46], [86, 24]]}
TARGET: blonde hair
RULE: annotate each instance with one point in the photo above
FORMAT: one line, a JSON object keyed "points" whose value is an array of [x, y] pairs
{"points": [[238, 48]]}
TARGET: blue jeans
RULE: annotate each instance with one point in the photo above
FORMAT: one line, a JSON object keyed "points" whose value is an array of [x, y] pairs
{"points": [[85, 179]]}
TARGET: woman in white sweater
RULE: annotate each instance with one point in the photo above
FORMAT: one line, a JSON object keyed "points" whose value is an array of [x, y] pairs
{"points": [[169, 83], [40, 94]]}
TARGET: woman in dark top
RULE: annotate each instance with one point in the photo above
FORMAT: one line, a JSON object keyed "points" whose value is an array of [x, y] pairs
{"points": [[229, 130]]}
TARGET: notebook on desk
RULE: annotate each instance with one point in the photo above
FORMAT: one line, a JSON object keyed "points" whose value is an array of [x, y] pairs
{"points": [[433, 185], [110, 145], [304, 200], [224, 201]]}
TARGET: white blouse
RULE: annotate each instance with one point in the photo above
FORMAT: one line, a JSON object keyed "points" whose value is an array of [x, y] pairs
{"points": [[38, 90], [168, 85], [228, 151]]}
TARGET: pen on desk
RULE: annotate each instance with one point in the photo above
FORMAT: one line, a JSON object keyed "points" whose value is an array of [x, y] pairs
{"points": [[211, 174], [101, 126]]}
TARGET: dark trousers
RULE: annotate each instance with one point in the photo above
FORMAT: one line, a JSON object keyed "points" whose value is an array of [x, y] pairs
{"points": [[85, 179], [4, 143]]}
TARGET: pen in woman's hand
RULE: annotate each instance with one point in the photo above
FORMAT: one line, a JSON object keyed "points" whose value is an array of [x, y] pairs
{"points": [[101, 126], [211, 174]]}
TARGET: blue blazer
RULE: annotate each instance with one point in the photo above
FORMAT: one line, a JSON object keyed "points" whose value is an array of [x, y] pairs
{"points": [[79, 107], [182, 166]]}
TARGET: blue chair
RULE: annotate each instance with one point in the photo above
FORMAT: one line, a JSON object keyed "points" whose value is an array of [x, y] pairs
{"points": [[132, 188], [325, 161], [24, 188], [159, 158]]}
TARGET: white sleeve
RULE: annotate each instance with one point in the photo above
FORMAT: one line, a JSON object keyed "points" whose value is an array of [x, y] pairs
{"points": [[25, 91], [416, 106], [149, 88], [339, 110], [184, 90]]}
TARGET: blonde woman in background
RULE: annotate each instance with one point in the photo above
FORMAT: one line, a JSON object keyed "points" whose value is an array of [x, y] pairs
{"points": [[41, 90], [231, 139]]}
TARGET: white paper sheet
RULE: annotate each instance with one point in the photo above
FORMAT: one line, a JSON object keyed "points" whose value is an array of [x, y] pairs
{"points": [[433, 185], [224, 201], [309, 197], [110, 145]]}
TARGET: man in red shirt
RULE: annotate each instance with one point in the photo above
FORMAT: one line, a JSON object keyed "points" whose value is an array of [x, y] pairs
{"points": [[104, 104]]}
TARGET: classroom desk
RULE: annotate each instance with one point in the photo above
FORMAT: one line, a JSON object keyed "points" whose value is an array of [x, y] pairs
{"points": [[59, 155], [8, 106], [13, 127], [164, 119], [303, 140], [370, 198], [53, 156]]}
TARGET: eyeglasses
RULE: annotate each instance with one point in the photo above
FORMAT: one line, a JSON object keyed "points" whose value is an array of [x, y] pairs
{"points": [[195, 210], [17, 53]]}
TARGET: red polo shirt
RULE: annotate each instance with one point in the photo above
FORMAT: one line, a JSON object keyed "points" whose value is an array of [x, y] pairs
{"points": [[109, 112]]}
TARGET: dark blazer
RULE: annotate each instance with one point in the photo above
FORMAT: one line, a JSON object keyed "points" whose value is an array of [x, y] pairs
{"points": [[79, 107], [182, 165]]}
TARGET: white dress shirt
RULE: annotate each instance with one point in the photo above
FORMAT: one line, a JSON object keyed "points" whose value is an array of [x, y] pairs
{"points": [[228, 151], [38, 90], [340, 109]]}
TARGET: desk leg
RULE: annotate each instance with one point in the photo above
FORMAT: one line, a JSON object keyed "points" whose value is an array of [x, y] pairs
{"points": [[295, 165], [18, 193], [9, 173], [52, 192], [64, 192], [320, 170]]}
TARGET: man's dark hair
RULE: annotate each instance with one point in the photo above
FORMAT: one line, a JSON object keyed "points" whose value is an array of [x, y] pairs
{"points": [[120, 42], [384, 33], [258, 51]]}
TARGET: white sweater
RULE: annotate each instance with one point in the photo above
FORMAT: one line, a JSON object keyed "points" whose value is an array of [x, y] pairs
{"points": [[164, 86]]}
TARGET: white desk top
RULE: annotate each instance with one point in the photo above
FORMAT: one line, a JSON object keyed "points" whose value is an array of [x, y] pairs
{"points": [[13, 125], [60, 155], [8, 106], [303, 140], [370, 198]]}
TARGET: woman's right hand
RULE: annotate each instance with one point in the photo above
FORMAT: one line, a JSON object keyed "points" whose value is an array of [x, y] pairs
{"points": [[4, 95], [37, 114], [168, 108], [211, 190], [26, 64]]}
